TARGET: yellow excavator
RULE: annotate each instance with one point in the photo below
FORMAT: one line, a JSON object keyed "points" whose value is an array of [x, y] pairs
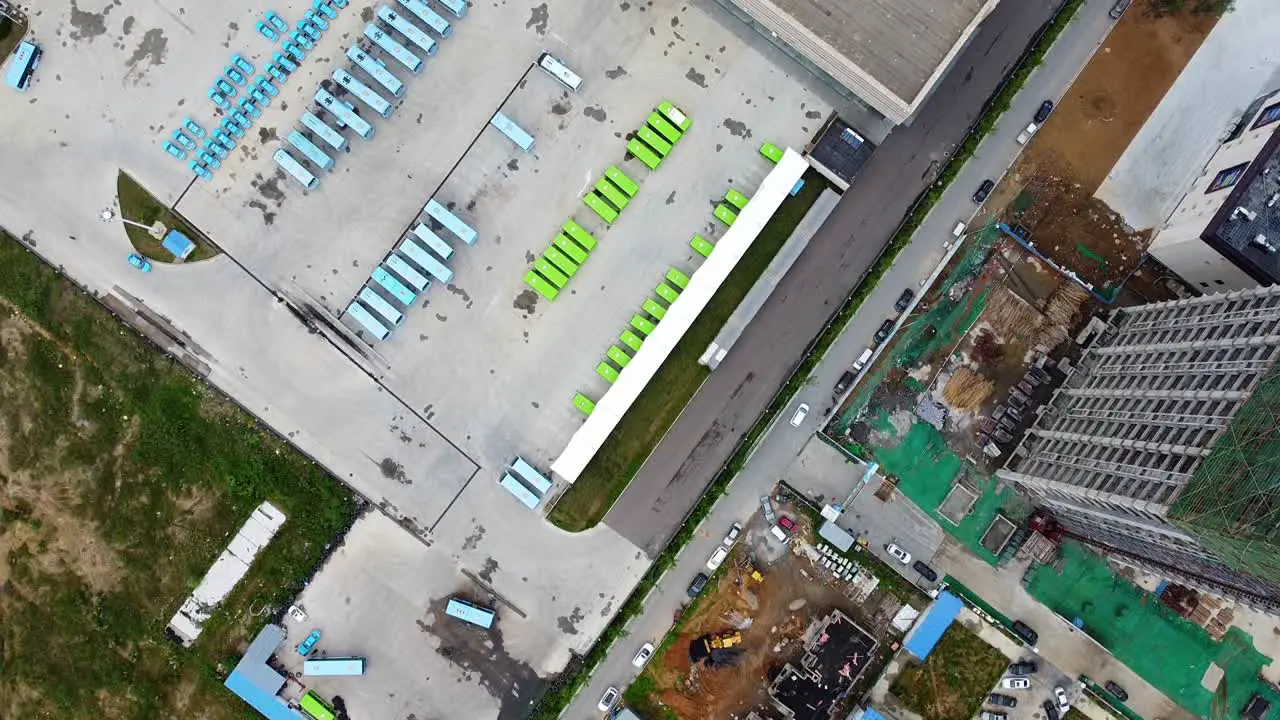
{"points": [[723, 640]]}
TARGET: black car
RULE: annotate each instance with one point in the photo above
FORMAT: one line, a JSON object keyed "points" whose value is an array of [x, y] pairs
{"points": [[1022, 669], [1116, 691], [1118, 9], [1042, 114], [699, 582], [925, 571], [1024, 631], [904, 299], [882, 334], [983, 191], [1002, 700], [844, 382], [1050, 710]]}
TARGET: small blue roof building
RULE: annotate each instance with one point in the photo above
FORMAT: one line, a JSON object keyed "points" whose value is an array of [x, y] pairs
{"points": [[257, 683], [179, 245]]}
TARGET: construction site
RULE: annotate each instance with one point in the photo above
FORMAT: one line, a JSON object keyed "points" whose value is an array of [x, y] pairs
{"points": [[782, 624]]}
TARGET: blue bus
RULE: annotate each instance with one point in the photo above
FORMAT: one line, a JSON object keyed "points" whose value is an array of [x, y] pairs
{"points": [[514, 132], [407, 29], [426, 261], [376, 70], [367, 321], [428, 16], [393, 48], [345, 113], [531, 475], [457, 7], [384, 309], [23, 65], [362, 91], [405, 272], [473, 614], [309, 149], [433, 241], [391, 284], [295, 169], [451, 221], [335, 666], [323, 131]]}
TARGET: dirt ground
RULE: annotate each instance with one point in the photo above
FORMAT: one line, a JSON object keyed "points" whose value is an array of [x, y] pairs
{"points": [[1050, 190], [772, 616]]}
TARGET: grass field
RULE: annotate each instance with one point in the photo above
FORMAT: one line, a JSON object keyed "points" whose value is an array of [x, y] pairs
{"points": [[140, 206], [953, 683], [121, 478], [608, 473]]}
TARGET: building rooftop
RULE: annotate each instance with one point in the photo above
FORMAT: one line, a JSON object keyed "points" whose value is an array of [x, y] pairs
{"points": [[836, 654], [1247, 228], [889, 52]]}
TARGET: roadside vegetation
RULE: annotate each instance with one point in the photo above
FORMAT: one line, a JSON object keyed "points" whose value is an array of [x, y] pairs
{"points": [[121, 480], [660, 403], [579, 669], [953, 683], [140, 206]]}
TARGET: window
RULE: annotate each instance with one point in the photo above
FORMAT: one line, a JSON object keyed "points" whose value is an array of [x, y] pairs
{"points": [[1227, 178], [1269, 114]]}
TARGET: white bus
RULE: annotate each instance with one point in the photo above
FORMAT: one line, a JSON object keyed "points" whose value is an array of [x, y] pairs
{"points": [[23, 65], [345, 114], [366, 94], [295, 169], [559, 71], [376, 70]]}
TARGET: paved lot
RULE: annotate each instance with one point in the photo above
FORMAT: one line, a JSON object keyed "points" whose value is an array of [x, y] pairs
{"points": [[729, 402]]}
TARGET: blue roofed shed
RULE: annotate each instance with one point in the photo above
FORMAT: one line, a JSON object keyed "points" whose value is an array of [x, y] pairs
{"points": [[928, 631], [178, 244], [256, 683]]}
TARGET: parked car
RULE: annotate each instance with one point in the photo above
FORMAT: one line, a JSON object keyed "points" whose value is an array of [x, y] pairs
{"points": [[277, 22], [699, 582], [984, 190], [183, 140], [267, 31], [295, 52], [208, 159], [717, 557], [297, 613], [904, 299], [265, 85], [1026, 134], [925, 571], [201, 171], [285, 63], [734, 531], [643, 655], [1061, 696], [862, 360], [1002, 700], [1116, 691], [232, 127], [1015, 683], [324, 8], [1050, 710], [787, 523], [800, 414], [846, 379], [608, 699], [1022, 669], [314, 18], [340, 3], [225, 139], [1044, 111], [882, 334], [218, 100], [194, 128], [1026, 632], [139, 262], [227, 89], [992, 715], [312, 32], [306, 646], [1118, 9], [247, 105], [212, 146], [898, 553], [302, 40], [245, 66], [235, 76], [174, 150], [276, 73]]}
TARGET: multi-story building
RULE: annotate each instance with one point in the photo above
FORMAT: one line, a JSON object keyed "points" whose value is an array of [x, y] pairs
{"points": [[1162, 446], [1225, 232]]}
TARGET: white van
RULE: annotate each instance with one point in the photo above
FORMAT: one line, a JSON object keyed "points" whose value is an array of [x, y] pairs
{"points": [[861, 362]]}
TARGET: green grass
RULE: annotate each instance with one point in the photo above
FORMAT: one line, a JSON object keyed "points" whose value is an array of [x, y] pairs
{"points": [[110, 441], [140, 206], [654, 411], [11, 34], [953, 683]]}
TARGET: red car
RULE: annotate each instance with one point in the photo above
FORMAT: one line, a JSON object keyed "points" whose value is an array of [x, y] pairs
{"points": [[787, 524]]}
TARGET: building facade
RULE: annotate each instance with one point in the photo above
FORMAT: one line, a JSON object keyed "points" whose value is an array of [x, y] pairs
{"points": [[1225, 232], [1163, 444]]}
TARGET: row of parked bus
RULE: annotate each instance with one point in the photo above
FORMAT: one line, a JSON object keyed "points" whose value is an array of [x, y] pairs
{"points": [[393, 39]]}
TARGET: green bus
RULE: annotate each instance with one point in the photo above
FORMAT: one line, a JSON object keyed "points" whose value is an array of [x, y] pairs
{"points": [[664, 128], [548, 271], [631, 340], [725, 214], [570, 248], [583, 403], [643, 154], [650, 138], [562, 263], [666, 292], [606, 371], [616, 197], [624, 183], [654, 309], [642, 324], [579, 235], [606, 213], [622, 359], [736, 199], [543, 288], [315, 707], [701, 245], [675, 115], [678, 278]]}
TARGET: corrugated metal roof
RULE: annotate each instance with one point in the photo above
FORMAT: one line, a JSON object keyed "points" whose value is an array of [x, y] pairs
{"points": [[935, 622]]}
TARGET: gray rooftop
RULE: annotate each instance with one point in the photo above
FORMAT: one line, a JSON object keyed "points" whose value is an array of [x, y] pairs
{"points": [[899, 43], [1253, 243]]}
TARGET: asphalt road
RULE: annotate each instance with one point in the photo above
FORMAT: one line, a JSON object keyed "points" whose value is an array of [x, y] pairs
{"points": [[783, 442], [658, 498]]}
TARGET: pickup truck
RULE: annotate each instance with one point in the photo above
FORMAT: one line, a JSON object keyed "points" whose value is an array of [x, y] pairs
{"points": [[1025, 135]]}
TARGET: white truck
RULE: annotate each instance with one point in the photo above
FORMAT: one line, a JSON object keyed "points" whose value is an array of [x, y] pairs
{"points": [[1025, 135]]}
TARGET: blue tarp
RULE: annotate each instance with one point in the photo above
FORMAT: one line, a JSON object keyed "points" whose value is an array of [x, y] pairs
{"points": [[929, 629], [178, 244]]}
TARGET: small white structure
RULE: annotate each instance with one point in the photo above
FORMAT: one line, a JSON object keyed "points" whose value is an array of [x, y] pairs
{"points": [[226, 572]]}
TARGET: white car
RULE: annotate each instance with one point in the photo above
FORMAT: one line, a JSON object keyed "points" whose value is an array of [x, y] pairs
{"points": [[717, 557], [801, 412], [732, 537], [642, 657], [297, 614], [1015, 683], [608, 699], [898, 553], [1063, 704]]}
